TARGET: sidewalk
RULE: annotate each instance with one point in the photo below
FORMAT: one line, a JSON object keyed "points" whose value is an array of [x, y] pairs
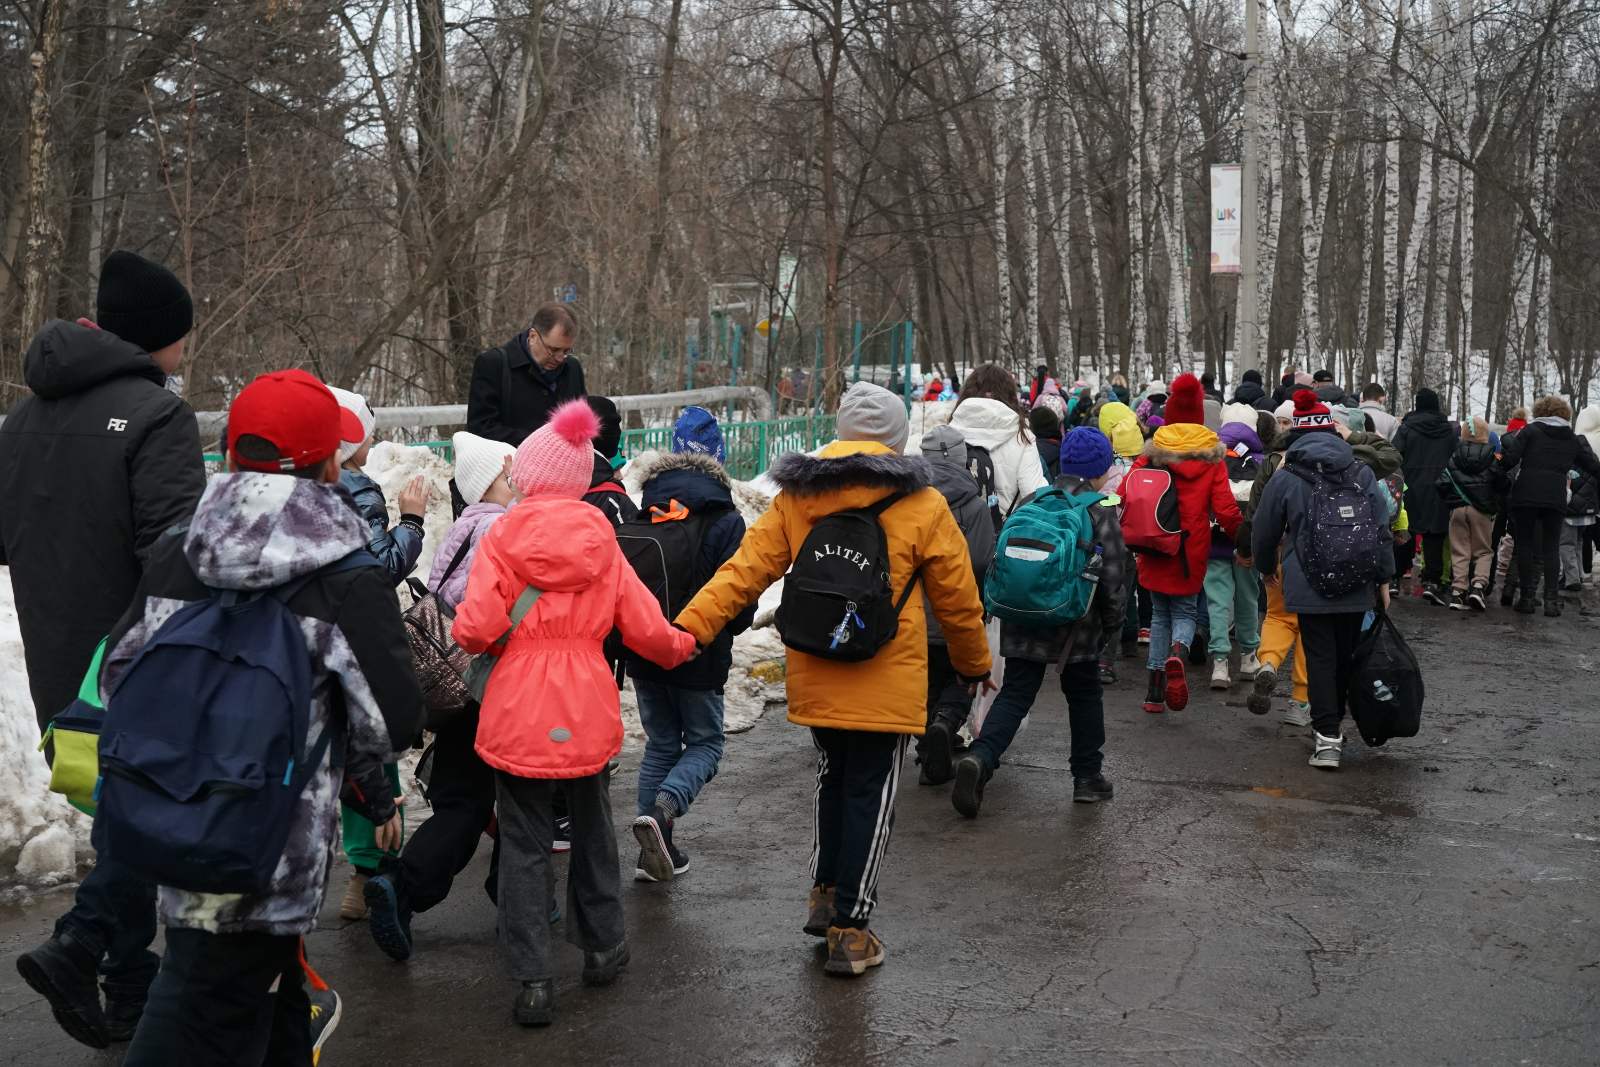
{"points": [[1433, 902]]}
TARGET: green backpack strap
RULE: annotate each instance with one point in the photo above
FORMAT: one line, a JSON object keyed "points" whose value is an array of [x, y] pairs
{"points": [[89, 690], [525, 602]]}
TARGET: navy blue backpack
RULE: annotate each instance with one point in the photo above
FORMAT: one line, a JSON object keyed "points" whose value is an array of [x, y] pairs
{"points": [[203, 748]]}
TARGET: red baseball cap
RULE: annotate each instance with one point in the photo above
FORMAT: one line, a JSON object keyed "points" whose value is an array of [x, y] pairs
{"points": [[295, 413]]}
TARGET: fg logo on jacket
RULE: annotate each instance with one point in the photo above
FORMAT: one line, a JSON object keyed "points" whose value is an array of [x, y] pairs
{"points": [[117, 424]]}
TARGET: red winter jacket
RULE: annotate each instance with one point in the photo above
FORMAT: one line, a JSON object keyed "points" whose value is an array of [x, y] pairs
{"points": [[550, 710], [1194, 455]]}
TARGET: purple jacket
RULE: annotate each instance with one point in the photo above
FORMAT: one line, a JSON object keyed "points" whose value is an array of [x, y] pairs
{"points": [[1241, 468], [471, 526]]}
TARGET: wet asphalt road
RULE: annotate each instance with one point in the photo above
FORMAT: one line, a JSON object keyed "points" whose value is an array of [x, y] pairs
{"points": [[1434, 902]]}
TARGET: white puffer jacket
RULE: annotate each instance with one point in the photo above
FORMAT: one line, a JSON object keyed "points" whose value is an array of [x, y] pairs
{"points": [[1587, 424], [992, 425]]}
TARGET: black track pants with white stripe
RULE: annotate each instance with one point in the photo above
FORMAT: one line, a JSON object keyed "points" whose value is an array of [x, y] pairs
{"points": [[858, 775]]}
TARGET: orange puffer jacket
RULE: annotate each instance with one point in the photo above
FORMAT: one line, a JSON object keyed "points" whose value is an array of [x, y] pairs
{"points": [[550, 710], [888, 693]]}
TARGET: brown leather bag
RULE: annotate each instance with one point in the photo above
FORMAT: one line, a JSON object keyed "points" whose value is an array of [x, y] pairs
{"points": [[440, 664]]}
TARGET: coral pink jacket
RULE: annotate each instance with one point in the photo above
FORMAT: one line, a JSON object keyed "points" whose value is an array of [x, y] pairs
{"points": [[550, 710]]}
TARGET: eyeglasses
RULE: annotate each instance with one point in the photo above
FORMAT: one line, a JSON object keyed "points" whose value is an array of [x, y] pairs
{"points": [[553, 349]]}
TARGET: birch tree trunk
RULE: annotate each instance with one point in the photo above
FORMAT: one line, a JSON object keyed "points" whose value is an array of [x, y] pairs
{"points": [[1031, 349], [1417, 256], [44, 237], [1060, 242], [1311, 194], [1545, 161], [1466, 72], [1138, 346], [1101, 347], [1270, 202], [1002, 249], [1392, 251]]}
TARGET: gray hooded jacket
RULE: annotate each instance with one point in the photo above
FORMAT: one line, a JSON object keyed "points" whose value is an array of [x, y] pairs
{"points": [[946, 452]]}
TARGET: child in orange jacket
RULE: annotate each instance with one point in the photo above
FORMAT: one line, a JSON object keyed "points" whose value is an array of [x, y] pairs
{"points": [[547, 586], [861, 714]]}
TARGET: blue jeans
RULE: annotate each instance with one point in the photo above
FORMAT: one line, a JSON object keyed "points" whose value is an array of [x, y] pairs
{"points": [[1172, 621], [114, 916], [683, 742], [1080, 684]]}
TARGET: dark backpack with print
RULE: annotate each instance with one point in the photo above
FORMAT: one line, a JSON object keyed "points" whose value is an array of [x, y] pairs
{"points": [[837, 603], [1340, 540]]}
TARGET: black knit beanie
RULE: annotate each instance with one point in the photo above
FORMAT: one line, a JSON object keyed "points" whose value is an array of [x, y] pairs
{"points": [[1044, 423], [609, 439], [142, 302], [1427, 400]]}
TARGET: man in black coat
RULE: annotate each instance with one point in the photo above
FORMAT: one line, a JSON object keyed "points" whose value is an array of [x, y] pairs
{"points": [[94, 467], [1426, 443], [516, 386]]}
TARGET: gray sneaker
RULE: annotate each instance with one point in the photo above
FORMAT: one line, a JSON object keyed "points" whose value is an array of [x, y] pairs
{"points": [[1297, 714], [1325, 752]]}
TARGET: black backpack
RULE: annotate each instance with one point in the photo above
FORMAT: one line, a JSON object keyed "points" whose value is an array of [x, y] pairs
{"points": [[981, 466], [664, 551], [837, 603]]}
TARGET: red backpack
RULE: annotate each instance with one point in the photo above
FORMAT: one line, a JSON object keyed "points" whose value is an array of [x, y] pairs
{"points": [[1150, 520]]}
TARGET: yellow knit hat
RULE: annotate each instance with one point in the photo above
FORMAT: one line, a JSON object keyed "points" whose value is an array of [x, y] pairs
{"points": [[1118, 422]]}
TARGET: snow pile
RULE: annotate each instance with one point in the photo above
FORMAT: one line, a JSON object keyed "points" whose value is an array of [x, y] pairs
{"points": [[40, 834], [392, 466]]}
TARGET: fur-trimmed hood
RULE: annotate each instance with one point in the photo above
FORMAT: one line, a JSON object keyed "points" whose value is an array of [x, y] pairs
{"points": [[849, 465], [1160, 456], [693, 479], [649, 466]]}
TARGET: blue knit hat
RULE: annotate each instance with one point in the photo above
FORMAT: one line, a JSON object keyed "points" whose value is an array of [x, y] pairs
{"points": [[1085, 452], [697, 431]]}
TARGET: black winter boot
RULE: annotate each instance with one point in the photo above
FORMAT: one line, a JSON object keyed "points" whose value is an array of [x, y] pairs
{"points": [[1155, 692], [65, 973]]}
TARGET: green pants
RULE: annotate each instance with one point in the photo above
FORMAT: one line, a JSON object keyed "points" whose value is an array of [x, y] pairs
{"points": [[1232, 598], [360, 844]]}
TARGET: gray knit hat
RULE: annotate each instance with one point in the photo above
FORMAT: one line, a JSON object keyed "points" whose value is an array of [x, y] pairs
{"points": [[870, 412]]}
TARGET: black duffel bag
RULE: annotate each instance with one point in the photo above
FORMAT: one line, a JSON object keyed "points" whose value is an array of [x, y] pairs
{"points": [[1386, 690]]}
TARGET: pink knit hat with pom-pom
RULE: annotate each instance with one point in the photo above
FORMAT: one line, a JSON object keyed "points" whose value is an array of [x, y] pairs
{"points": [[557, 459]]}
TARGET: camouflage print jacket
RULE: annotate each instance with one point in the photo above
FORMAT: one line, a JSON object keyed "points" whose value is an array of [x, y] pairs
{"points": [[256, 532], [1084, 639]]}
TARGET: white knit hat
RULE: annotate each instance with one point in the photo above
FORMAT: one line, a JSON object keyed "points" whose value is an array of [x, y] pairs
{"points": [[479, 461], [357, 405]]}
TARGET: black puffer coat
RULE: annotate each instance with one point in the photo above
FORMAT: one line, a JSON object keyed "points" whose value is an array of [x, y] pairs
{"points": [[1540, 455], [1426, 444], [1474, 474], [94, 467]]}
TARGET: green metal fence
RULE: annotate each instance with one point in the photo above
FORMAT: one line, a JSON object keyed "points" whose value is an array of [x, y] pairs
{"points": [[752, 446]]}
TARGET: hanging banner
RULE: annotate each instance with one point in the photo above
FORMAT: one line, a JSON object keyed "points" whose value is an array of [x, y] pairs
{"points": [[1226, 184]]}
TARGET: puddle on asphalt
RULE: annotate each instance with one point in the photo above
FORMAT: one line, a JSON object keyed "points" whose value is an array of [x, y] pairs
{"points": [[1276, 796]]}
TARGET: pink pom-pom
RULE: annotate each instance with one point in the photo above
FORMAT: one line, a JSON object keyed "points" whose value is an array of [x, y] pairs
{"points": [[575, 422]]}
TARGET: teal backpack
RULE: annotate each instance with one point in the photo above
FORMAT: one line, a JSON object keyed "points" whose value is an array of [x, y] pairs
{"points": [[1046, 563]]}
